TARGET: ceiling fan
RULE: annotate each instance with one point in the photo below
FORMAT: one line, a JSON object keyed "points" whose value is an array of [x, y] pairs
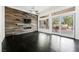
{"points": [[32, 10]]}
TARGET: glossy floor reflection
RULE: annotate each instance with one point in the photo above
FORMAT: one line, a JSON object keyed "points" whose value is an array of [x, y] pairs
{"points": [[55, 43], [39, 42], [43, 42]]}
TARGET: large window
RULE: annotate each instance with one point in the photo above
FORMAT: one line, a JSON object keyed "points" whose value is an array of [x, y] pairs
{"points": [[56, 24], [44, 24], [67, 25], [63, 25]]}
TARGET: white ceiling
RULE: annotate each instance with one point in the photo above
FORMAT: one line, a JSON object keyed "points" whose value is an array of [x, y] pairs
{"points": [[37, 8], [27, 8]]}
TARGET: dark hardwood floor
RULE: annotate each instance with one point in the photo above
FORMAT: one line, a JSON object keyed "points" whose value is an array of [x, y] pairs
{"points": [[38, 42]]}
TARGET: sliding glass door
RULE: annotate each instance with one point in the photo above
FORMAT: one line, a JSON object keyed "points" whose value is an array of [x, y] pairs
{"points": [[44, 24], [64, 25], [56, 25], [67, 25]]}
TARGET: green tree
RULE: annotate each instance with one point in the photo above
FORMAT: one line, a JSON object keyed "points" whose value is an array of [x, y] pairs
{"points": [[56, 21], [68, 20]]}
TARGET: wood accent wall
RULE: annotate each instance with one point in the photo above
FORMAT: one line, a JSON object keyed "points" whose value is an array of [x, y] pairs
{"points": [[13, 16]]}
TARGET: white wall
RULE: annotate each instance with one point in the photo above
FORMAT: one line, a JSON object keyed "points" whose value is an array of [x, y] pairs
{"points": [[77, 23], [2, 31]]}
